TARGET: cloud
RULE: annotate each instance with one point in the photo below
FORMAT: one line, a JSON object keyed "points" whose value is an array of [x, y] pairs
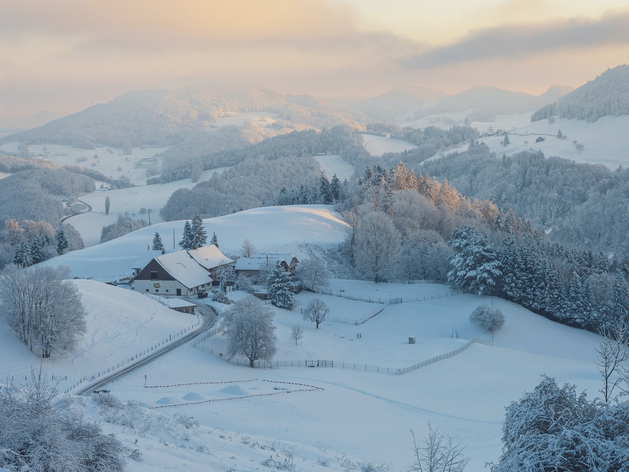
{"points": [[516, 41]]}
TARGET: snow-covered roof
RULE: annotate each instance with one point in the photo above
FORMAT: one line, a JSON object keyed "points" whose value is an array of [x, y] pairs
{"points": [[209, 257], [257, 260], [184, 268], [179, 303]]}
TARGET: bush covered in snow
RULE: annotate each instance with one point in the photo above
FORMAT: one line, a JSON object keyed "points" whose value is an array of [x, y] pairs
{"points": [[488, 318]]}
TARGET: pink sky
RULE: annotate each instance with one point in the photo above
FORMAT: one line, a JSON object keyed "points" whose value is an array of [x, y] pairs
{"points": [[64, 55]]}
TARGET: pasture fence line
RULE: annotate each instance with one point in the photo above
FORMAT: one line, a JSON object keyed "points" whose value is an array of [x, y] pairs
{"points": [[135, 357], [384, 301], [261, 364]]}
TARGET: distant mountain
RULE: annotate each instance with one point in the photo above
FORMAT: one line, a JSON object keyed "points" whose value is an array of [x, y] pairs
{"points": [[397, 101], [14, 123], [494, 100], [164, 118], [607, 94]]}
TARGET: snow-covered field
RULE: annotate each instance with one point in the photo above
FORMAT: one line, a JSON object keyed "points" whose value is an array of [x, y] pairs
{"points": [[319, 418], [127, 202], [335, 165], [378, 145], [270, 229], [121, 323], [112, 162], [239, 119]]}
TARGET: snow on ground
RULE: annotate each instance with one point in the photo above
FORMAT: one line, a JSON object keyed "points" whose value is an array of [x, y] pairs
{"points": [[127, 202], [112, 162], [239, 119], [270, 229], [366, 416], [3, 175], [120, 323], [335, 165], [378, 145]]}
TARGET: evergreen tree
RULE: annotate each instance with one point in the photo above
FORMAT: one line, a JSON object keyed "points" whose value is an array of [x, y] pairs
{"points": [[325, 194], [61, 241], [22, 255], [187, 241], [214, 240], [199, 236], [279, 288], [107, 205], [505, 141], [157, 243], [476, 267], [36, 248], [335, 188]]}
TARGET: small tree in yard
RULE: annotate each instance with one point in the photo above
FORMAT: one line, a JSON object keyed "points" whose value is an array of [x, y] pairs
{"points": [[296, 333], [440, 453], [199, 236], [214, 240], [316, 311], [157, 243], [187, 242], [489, 319], [250, 330], [247, 248], [280, 289], [312, 272]]}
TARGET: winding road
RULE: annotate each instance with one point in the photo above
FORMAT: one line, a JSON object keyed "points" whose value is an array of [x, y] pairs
{"points": [[209, 316]]}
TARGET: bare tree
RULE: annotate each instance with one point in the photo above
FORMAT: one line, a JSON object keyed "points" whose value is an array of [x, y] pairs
{"points": [[247, 248], [250, 330], [316, 311], [296, 333], [440, 453], [377, 243], [612, 352]]}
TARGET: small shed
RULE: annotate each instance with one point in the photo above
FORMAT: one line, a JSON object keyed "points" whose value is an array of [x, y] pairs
{"points": [[183, 306]]}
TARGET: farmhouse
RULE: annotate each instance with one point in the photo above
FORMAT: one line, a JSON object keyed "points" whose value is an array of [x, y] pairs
{"points": [[252, 265], [181, 273]]}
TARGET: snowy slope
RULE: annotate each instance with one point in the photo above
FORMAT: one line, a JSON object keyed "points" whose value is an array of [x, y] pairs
{"points": [[378, 145], [270, 229], [120, 323]]}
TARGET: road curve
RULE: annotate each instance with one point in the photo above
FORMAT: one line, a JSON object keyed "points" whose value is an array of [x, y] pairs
{"points": [[208, 320]]}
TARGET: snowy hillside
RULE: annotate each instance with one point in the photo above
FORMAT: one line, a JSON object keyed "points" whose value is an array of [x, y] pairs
{"points": [[270, 229]]}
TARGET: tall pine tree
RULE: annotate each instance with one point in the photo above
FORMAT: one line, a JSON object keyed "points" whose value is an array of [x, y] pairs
{"points": [[279, 288], [187, 241], [157, 243], [199, 236]]}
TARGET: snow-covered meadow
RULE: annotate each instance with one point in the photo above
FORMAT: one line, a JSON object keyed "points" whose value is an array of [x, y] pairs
{"points": [[378, 145], [356, 414]]}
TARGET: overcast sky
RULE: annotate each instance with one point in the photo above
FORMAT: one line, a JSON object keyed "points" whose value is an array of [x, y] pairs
{"points": [[64, 55]]}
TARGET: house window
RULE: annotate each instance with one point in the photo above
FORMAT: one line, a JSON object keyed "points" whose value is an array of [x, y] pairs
{"points": [[147, 289], [179, 292], [167, 290], [156, 290], [154, 275]]}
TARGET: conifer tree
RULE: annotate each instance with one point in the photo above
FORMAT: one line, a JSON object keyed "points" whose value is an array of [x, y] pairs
{"points": [[187, 241], [22, 256], [214, 239], [61, 241], [199, 236], [157, 243], [36, 248], [279, 288]]}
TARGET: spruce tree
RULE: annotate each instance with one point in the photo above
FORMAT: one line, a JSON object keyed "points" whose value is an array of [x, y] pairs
{"points": [[157, 243], [199, 236], [335, 188], [22, 256], [61, 241], [214, 239], [279, 288], [187, 241], [36, 250]]}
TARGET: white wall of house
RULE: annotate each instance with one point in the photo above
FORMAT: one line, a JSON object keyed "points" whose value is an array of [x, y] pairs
{"points": [[167, 288]]}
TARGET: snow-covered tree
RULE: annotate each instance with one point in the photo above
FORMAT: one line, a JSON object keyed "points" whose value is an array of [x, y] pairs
{"points": [[22, 255], [612, 354], [61, 241], [439, 453], [187, 241], [475, 264], [554, 428], [312, 272], [489, 319], [199, 236], [247, 248], [296, 333], [107, 205], [157, 243], [505, 141], [376, 245], [315, 311], [43, 307], [250, 331], [214, 239], [280, 288]]}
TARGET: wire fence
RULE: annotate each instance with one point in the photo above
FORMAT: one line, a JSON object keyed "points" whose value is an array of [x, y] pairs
{"points": [[360, 321], [261, 364], [135, 357], [386, 301]]}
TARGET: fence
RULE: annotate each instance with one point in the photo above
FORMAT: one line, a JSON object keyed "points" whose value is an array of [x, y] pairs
{"points": [[386, 301], [442, 357], [135, 357], [339, 365], [360, 321]]}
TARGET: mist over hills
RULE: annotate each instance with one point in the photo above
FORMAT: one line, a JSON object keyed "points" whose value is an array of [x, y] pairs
{"points": [[164, 118]]}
